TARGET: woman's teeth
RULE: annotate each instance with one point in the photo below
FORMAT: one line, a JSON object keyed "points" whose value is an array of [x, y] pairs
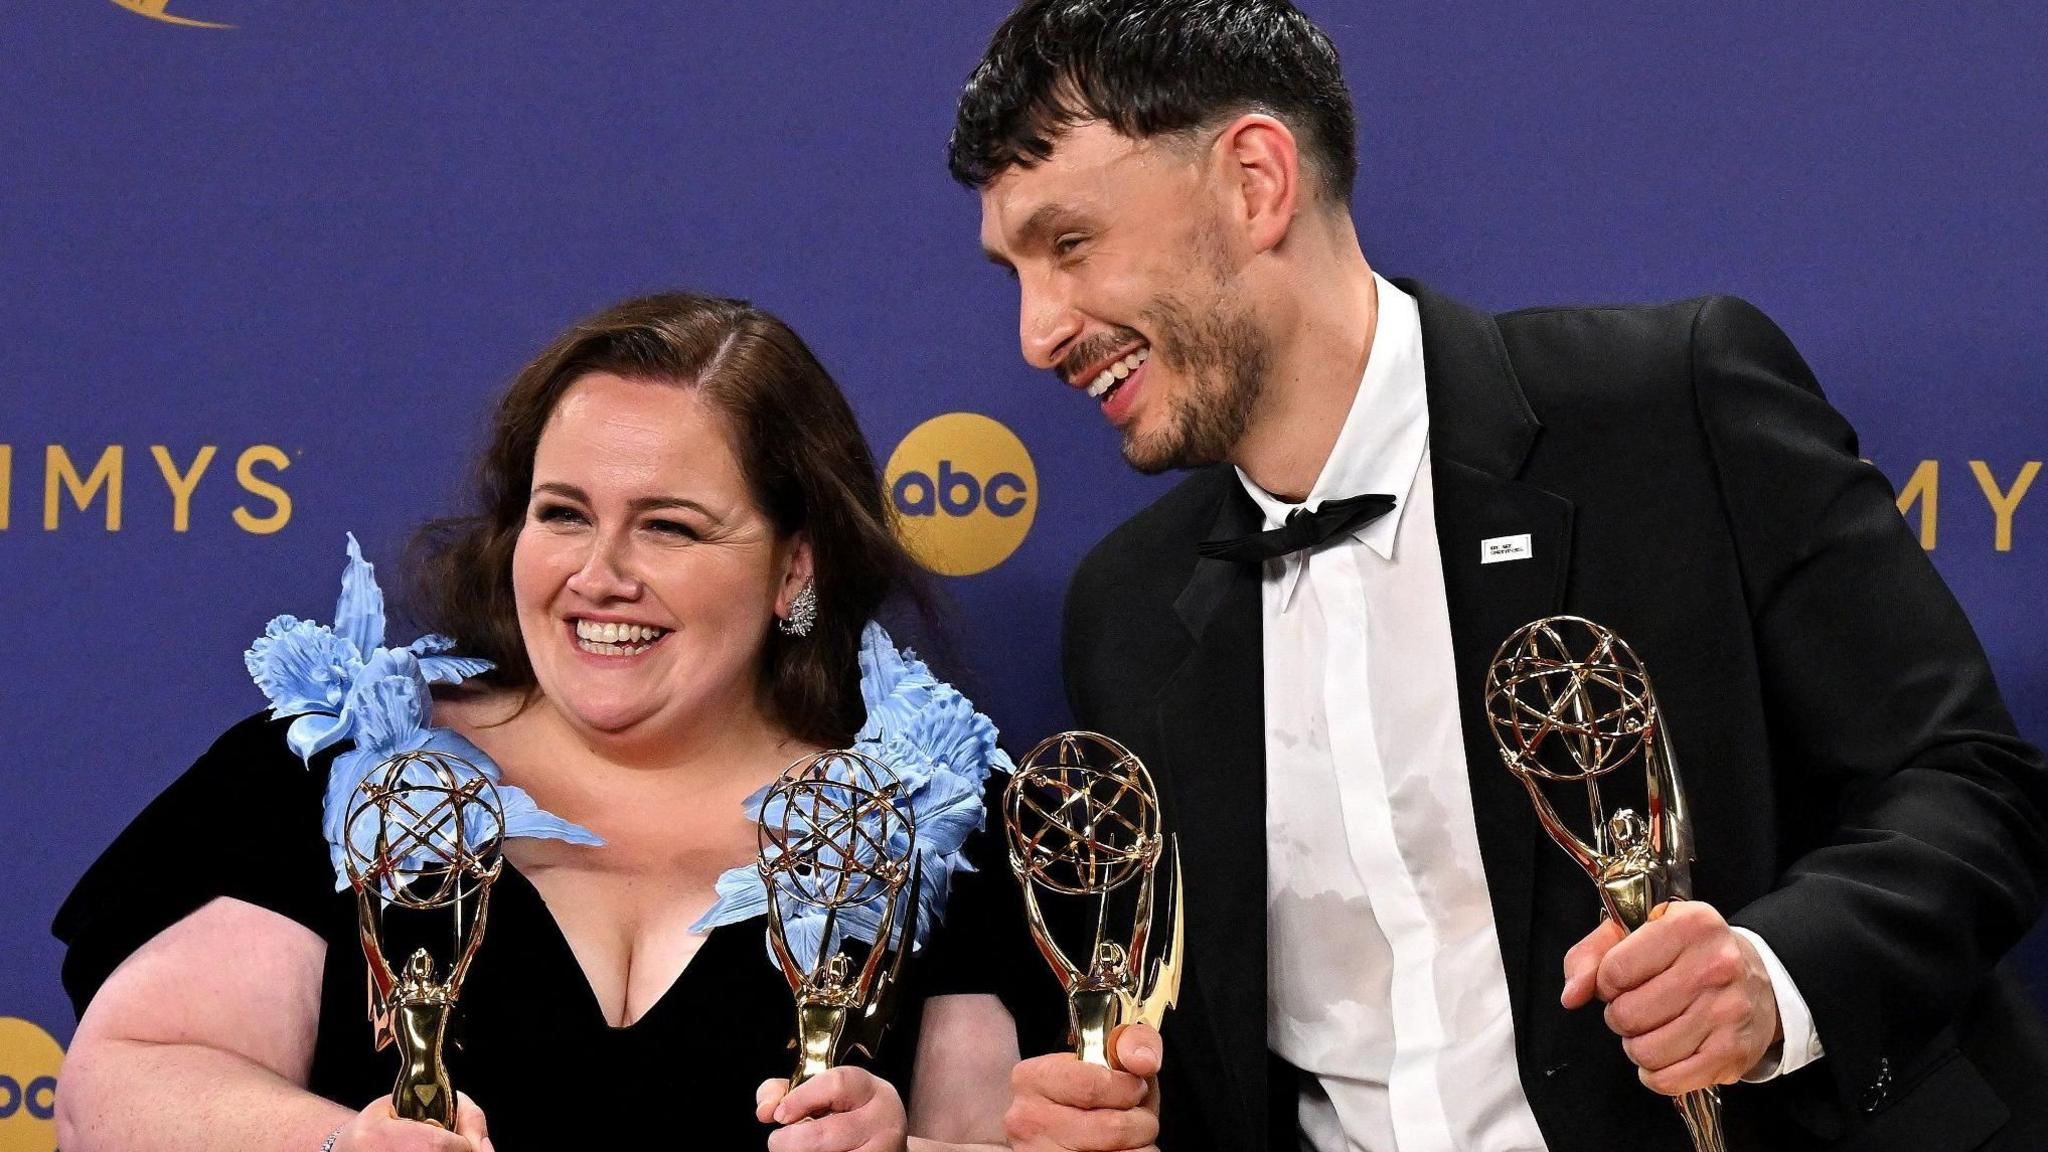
{"points": [[616, 639], [1102, 385]]}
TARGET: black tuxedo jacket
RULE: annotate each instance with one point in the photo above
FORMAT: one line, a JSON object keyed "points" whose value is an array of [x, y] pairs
{"points": [[1862, 799]]}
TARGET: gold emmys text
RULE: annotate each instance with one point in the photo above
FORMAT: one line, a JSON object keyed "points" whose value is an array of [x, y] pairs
{"points": [[73, 484]]}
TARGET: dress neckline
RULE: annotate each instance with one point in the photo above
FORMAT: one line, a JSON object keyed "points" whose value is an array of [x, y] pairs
{"points": [[593, 1008]]}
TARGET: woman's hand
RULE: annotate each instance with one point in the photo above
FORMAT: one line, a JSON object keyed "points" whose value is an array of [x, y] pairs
{"points": [[377, 1128], [843, 1110]]}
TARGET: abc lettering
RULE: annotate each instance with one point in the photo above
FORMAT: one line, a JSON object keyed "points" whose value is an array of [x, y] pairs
{"points": [[40, 1097], [957, 492]]}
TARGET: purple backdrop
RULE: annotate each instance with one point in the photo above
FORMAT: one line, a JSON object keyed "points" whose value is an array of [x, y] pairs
{"points": [[337, 229]]}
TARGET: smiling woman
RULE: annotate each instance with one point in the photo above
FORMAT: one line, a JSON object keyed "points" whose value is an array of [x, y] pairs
{"points": [[664, 596]]}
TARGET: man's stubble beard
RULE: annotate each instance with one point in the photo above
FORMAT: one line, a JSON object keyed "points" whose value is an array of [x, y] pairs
{"points": [[1222, 359]]}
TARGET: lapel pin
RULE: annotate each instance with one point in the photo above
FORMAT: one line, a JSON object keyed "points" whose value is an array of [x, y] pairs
{"points": [[1503, 548]]}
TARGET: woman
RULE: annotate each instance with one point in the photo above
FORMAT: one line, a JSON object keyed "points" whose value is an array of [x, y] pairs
{"points": [[680, 545]]}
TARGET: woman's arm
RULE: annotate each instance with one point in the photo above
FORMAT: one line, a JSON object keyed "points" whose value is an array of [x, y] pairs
{"points": [[203, 1040], [965, 1052]]}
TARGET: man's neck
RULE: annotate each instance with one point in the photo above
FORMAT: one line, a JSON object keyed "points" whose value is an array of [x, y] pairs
{"points": [[1318, 363]]}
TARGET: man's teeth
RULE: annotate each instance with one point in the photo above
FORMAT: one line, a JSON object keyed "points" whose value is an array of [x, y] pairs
{"points": [[1117, 371], [615, 639]]}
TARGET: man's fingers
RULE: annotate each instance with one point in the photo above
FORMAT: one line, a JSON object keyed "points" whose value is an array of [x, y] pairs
{"points": [[1695, 1072], [1063, 1079], [470, 1122], [1656, 946], [1582, 963], [1675, 1042], [1138, 1049], [1658, 1002], [767, 1096], [834, 1090], [833, 1132]]}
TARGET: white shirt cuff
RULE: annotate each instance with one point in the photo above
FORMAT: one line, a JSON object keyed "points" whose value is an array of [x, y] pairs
{"points": [[1802, 1043]]}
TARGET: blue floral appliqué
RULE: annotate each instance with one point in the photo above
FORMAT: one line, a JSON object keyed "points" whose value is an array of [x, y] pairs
{"points": [[943, 751], [343, 685]]}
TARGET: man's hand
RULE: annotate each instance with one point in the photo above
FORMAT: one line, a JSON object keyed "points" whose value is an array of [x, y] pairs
{"points": [[377, 1128], [1689, 997], [1059, 1104], [841, 1110]]}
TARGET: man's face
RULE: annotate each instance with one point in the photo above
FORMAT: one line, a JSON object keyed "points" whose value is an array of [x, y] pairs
{"points": [[1129, 290]]}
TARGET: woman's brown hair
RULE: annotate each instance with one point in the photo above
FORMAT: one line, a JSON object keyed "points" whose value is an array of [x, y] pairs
{"points": [[804, 458]]}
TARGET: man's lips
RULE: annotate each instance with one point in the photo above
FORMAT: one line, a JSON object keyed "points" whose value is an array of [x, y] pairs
{"points": [[1100, 375], [1121, 397]]}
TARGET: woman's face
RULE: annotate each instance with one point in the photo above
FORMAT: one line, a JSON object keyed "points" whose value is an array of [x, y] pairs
{"points": [[645, 577]]}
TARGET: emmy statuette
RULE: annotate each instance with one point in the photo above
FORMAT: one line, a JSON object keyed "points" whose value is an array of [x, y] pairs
{"points": [[1571, 703], [424, 834], [836, 833], [1082, 819]]}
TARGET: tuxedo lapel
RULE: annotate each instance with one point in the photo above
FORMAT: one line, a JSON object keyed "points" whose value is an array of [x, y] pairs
{"points": [[1481, 433], [1213, 785]]}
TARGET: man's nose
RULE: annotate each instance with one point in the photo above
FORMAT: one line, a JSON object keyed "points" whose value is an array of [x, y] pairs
{"points": [[1046, 324]]}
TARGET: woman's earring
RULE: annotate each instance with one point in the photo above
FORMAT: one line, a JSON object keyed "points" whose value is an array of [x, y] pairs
{"points": [[803, 612]]}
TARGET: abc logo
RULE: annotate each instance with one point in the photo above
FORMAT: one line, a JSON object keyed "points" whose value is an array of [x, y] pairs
{"points": [[29, 1060], [965, 492]]}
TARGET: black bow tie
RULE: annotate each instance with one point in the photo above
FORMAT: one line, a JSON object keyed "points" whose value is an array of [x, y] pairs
{"points": [[1303, 529]]}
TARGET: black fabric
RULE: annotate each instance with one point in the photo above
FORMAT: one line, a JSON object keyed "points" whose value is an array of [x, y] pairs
{"points": [[1303, 529], [1862, 799], [529, 1041]]}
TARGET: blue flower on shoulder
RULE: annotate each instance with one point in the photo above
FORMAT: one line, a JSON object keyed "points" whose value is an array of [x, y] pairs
{"points": [[943, 751], [342, 684]]}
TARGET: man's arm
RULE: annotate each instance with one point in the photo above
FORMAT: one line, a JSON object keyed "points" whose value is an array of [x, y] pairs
{"points": [[1879, 695]]}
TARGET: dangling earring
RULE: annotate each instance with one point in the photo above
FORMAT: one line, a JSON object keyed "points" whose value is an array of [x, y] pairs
{"points": [[803, 612]]}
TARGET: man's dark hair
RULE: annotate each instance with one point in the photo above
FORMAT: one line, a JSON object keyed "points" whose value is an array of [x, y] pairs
{"points": [[1151, 68]]}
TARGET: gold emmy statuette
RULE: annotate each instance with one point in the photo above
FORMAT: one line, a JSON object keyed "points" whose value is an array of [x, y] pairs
{"points": [[424, 832], [836, 833], [1570, 702], [1082, 819]]}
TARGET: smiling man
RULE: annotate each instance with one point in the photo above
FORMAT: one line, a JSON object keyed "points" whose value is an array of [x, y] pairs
{"points": [[1386, 483]]}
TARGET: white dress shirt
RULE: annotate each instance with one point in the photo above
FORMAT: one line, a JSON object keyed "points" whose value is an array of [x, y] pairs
{"points": [[1386, 986]]}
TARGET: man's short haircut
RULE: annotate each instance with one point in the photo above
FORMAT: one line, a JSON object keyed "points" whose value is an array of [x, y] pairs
{"points": [[1152, 68]]}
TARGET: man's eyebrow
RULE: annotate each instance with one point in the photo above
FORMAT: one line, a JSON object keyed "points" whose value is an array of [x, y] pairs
{"points": [[1043, 220]]}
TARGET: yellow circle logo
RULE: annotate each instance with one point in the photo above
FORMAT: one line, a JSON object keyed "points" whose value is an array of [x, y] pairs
{"points": [[29, 1059], [965, 493]]}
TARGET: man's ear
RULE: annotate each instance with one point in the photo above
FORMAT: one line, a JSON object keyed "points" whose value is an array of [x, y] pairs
{"points": [[1262, 172]]}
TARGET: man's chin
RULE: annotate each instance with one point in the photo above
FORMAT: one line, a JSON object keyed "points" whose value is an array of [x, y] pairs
{"points": [[1152, 455]]}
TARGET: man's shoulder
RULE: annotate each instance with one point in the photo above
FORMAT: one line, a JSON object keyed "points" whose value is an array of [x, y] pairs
{"points": [[1615, 355], [1157, 544], [1649, 326]]}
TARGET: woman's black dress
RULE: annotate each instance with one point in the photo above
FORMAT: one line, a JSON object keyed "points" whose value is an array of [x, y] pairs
{"points": [[529, 1043]]}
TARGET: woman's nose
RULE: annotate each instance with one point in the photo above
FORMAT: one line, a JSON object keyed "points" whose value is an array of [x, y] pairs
{"points": [[603, 575]]}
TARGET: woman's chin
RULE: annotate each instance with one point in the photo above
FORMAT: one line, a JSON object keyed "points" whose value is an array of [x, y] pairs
{"points": [[608, 718]]}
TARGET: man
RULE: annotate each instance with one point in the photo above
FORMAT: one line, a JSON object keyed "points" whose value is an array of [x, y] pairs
{"points": [[1383, 951]]}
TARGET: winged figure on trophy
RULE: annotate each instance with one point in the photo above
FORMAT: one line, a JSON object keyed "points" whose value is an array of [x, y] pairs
{"points": [[425, 831]]}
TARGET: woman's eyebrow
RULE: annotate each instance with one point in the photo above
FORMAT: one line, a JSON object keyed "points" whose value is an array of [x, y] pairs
{"points": [[642, 504]]}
